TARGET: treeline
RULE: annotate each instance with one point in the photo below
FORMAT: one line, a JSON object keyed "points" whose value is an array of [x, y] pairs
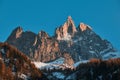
{"points": [[98, 69], [14, 63]]}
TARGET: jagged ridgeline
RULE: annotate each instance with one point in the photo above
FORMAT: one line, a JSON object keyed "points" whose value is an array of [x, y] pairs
{"points": [[79, 43]]}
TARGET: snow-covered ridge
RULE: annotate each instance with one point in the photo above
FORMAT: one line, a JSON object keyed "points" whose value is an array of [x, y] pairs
{"points": [[111, 55], [80, 62], [57, 64]]}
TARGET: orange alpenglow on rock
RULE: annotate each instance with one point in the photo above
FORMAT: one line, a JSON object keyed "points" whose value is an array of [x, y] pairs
{"points": [[67, 25], [83, 27], [71, 23], [68, 29], [19, 32]]}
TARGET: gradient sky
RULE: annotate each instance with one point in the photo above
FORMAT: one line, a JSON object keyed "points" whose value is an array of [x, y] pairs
{"points": [[35, 15]]}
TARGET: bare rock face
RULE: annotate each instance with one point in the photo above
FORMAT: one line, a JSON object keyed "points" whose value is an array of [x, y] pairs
{"points": [[68, 59], [67, 30], [47, 50], [84, 27], [70, 42], [39, 47], [16, 33], [43, 34]]}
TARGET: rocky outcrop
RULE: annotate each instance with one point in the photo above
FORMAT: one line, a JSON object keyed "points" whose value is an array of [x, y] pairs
{"points": [[68, 59], [84, 27], [66, 31], [39, 47], [16, 33], [79, 43]]}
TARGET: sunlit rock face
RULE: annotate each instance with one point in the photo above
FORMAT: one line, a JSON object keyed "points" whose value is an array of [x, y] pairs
{"points": [[66, 31], [84, 27], [39, 47], [78, 42], [16, 33]]}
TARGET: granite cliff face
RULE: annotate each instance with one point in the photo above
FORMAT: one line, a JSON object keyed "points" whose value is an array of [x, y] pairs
{"points": [[71, 42]]}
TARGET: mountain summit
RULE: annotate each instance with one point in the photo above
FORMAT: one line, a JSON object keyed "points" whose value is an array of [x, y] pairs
{"points": [[70, 42], [84, 27], [67, 30]]}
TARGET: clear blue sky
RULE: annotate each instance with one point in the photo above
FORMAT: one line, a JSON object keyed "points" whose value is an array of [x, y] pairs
{"points": [[102, 15]]}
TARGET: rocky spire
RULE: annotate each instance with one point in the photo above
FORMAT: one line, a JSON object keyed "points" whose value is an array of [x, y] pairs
{"points": [[16, 33], [66, 31], [84, 27], [69, 26]]}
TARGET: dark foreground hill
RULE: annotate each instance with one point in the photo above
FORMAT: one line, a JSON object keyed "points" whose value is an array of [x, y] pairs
{"points": [[99, 70], [14, 65]]}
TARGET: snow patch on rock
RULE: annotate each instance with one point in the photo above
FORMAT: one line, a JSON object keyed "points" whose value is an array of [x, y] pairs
{"points": [[58, 75]]}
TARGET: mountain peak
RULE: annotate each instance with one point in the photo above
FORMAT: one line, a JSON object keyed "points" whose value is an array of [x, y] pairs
{"points": [[84, 27], [67, 30], [70, 23], [43, 34], [69, 18], [18, 31]]}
